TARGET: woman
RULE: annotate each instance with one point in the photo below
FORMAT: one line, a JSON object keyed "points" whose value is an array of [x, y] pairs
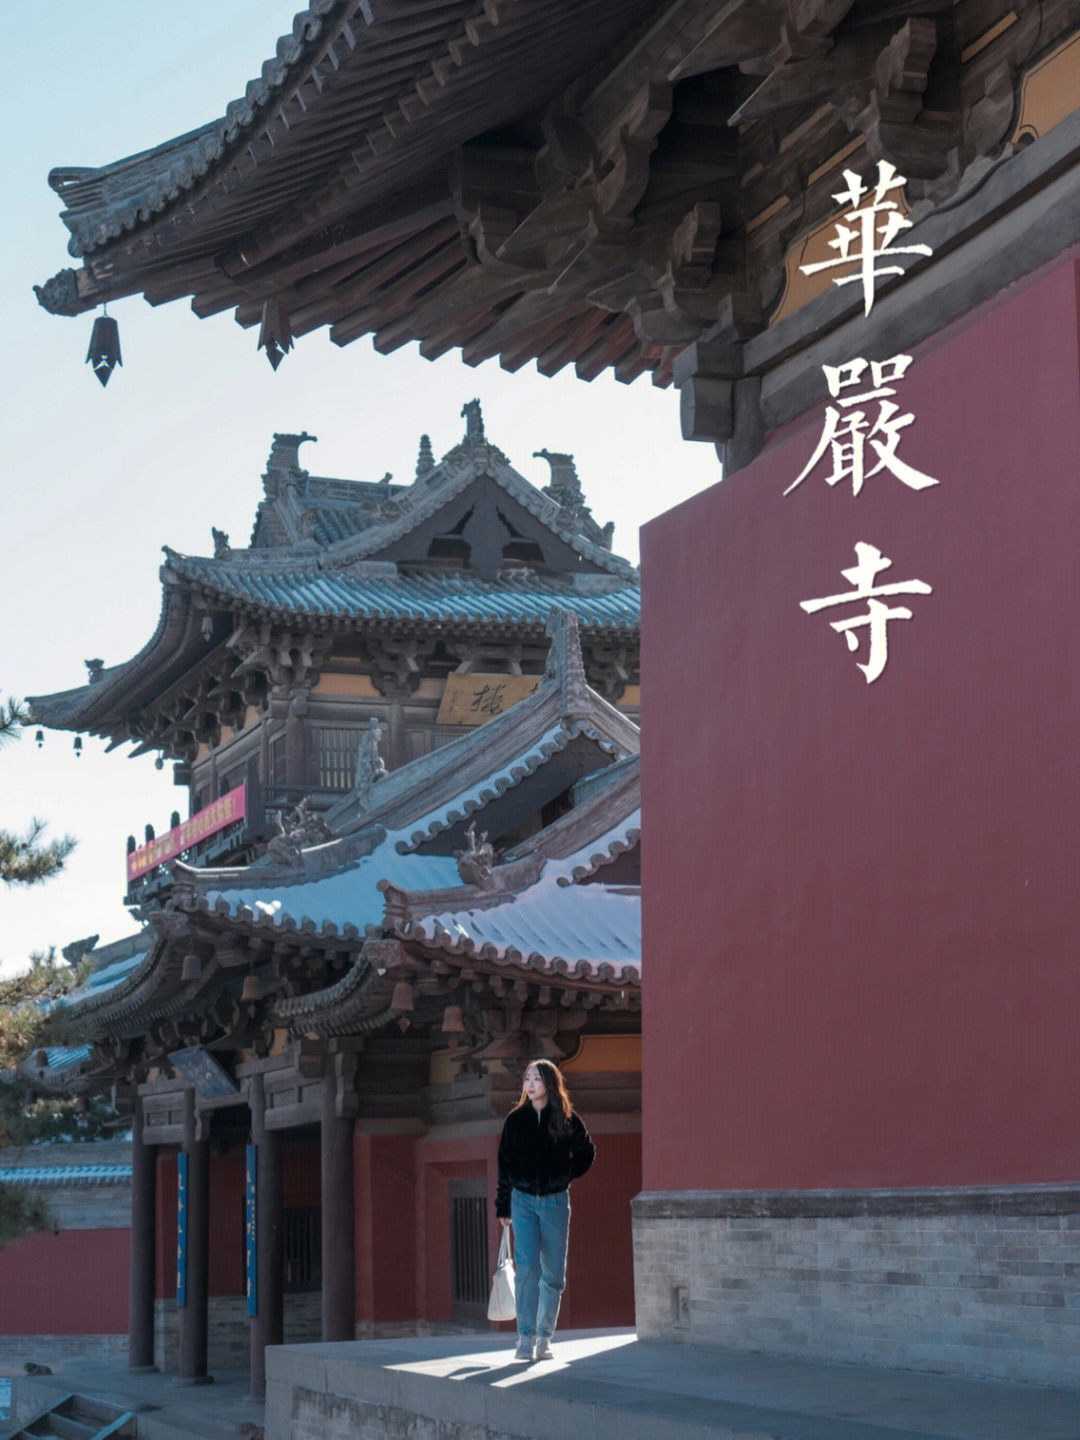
{"points": [[544, 1146]]}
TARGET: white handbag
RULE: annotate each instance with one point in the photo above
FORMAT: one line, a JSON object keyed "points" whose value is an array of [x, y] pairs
{"points": [[502, 1305]]}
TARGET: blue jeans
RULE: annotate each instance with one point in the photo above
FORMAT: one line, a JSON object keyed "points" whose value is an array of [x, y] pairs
{"points": [[541, 1227]]}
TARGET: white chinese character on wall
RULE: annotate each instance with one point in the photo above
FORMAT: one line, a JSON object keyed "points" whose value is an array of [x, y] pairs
{"points": [[847, 435], [870, 238], [877, 615]]}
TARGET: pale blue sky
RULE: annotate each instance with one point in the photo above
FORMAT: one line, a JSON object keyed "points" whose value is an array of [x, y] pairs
{"points": [[95, 482]]}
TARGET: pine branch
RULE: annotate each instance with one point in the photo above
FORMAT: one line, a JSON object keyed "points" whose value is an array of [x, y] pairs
{"points": [[23, 861], [13, 717]]}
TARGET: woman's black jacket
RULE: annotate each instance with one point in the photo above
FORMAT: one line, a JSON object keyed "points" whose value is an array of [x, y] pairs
{"points": [[532, 1159]]}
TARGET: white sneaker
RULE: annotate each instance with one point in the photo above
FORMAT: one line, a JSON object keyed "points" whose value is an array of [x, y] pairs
{"points": [[543, 1349], [524, 1350]]}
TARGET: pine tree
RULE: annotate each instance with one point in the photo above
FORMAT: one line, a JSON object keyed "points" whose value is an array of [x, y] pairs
{"points": [[24, 1118], [23, 1015]]}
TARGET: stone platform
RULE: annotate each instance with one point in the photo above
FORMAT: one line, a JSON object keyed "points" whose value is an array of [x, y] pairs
{"points": [[163, 1409], [610, 1386]]}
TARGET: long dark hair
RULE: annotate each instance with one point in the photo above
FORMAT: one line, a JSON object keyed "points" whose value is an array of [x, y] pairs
{"points": [[560, 1110]]}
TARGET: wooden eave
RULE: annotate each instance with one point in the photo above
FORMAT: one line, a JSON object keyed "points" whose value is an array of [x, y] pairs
{"points": [[579, 184], [105, 706]]}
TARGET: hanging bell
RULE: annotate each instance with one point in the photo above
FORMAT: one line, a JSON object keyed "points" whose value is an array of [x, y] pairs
{"points": [[192, 967], [104, 352], [39, 739], [402, 1000], [78, 744], [252, 989], [452, 1021]]}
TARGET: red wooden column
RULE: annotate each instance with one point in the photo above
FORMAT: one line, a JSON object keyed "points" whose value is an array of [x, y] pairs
{"points": [[143, 1208], [268, 1322], [194, 1319], [338, 1219]]}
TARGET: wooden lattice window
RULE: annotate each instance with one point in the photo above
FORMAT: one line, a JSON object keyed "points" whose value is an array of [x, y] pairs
{"points": [[471, 1275], [302, 1248], [336, 749]]}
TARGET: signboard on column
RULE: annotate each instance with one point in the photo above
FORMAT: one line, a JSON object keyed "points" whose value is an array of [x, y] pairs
{"points": [[251, 1232], [181, 1229]]}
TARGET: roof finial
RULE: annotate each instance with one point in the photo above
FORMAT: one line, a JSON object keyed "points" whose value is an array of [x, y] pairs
{"points": [[565, 487], [425, 461], [283, 465], [474, 423]]}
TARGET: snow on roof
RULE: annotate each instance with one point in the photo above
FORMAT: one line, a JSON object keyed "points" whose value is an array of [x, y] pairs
{"points": [[344, 903], [557, 920]]}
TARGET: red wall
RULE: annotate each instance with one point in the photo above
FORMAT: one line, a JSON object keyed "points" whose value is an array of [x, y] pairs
{"points": [[600, 1263], [165, 1230], [227, 1223], [301, 1172], [386, 1234], [861, 929], [72, 1283], [439, 1162]]}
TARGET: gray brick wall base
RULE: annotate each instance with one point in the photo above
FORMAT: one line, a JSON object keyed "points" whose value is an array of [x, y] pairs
{"points": [[975, 1282], [53, 1350], [229, 1330]]}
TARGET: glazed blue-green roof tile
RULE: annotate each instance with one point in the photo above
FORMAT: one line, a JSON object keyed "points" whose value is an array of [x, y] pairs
{"points": [[66, 1175], [444, 597], [66, 1058]]}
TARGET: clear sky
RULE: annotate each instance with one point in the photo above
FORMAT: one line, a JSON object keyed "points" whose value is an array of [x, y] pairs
{"points": [[95, 482]]}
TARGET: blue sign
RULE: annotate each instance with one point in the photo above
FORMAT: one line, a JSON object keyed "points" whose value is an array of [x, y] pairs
{"points": [[181, 1228], [251, 1233]]}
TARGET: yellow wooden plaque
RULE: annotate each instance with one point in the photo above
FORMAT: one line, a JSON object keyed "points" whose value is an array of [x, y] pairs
{"points": [[475, 699], [1050, 93]]}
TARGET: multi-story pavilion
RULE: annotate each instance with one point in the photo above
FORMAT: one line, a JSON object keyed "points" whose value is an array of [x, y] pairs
{"points": [[348, 962], [754, 201], [416, 609]]}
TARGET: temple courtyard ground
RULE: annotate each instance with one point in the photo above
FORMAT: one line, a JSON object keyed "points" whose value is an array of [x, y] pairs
{"points": [[601, 1384]]}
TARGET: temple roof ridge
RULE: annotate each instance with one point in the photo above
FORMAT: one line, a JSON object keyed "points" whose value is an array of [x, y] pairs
{"points": [[465, 462], [343, 520]]}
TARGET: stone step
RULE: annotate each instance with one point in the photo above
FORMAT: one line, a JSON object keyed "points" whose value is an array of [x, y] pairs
{"points": [[56, 1423], [79, 1417]]}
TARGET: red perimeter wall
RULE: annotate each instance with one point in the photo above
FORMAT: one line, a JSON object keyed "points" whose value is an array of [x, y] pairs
{"points": [[71, 1283], [861, 919]]}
